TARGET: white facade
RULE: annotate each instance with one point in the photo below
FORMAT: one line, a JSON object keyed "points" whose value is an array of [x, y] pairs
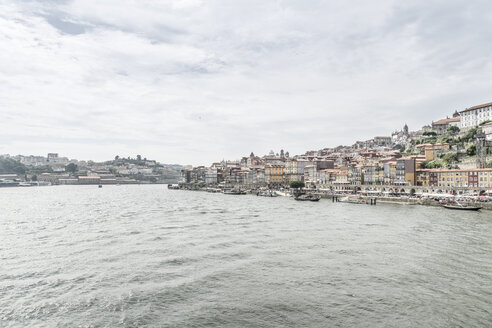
{"points": [[473, 116], [487, 129], [211, 176]]}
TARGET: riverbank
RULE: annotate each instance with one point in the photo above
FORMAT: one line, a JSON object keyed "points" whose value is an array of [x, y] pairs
{"points": [[403, 200]]}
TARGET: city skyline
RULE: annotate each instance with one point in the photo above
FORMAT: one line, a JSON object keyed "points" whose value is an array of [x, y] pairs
{"points": [[190, 82]]}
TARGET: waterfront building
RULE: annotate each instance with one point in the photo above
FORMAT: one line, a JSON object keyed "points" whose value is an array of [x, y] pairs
{"points": [[370, 172], [255, 177], [455, 178], [291, 173], [69, 181], [322, 164], [186, 175], [301, 165], [52, 178], [355, 175], [400, 172], [342, 177], [211, 176], [9, 177], [310, 174], [90, 179], [323, 177], [475, 115], [389, 171], [274, 174]]}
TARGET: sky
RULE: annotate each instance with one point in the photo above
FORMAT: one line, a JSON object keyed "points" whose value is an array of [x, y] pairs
{"points": [[193, 82]]}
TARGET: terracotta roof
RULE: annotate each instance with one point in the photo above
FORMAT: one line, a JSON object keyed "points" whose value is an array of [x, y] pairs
{"points": [[455, 170], [447, 120], [477, 107]]}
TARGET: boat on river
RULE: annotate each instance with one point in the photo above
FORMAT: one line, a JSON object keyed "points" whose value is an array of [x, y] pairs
{"points": [[461, 207], [267, 193], [307, 197], [234, 192], [353, 200]]}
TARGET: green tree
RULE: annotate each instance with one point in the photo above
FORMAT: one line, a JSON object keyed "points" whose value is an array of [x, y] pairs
{"points": [[453, 130], [116, 157], [450, 157], [297, 184], [72, 168], [9, 165], [435, 164], [469, 135], [139, 158], [429, 133], [472, 150]]}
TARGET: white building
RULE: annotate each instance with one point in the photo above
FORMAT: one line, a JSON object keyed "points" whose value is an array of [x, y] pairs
{"points": [[487, 129], [211, 176], [475, 115]]}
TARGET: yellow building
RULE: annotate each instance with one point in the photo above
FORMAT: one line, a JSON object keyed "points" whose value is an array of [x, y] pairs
{"points": [[274, 174], [342, 176], [431, 151], [455, 178]]}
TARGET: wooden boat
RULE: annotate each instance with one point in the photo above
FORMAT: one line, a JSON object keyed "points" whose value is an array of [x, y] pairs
{"points": [[173, 186], [353, 200], [234, 192], [268, 193], [461, 207], [307, 197]]}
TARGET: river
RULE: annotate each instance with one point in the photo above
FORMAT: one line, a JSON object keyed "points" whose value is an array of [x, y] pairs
{"points": [[145, 256]]}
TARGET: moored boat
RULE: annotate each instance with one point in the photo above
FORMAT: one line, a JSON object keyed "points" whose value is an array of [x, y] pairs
{"points": [[173, 186], [234, 192], [307, 197], [461, 207], [267, 193], [353, 200]]}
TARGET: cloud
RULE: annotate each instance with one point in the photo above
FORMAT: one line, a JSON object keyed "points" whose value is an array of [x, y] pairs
{"points": [[196, 81]]}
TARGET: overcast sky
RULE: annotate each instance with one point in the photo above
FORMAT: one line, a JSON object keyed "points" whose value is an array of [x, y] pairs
{"points": [[195, 81]]}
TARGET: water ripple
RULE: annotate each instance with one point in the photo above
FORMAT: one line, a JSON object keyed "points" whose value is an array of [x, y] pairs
{"points": [[136, 256]]}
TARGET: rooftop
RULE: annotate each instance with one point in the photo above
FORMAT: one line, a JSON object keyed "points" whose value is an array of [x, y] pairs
{"points": [[447, 120], [477, 107]]}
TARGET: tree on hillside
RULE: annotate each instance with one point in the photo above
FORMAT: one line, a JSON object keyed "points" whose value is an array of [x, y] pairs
{"points": [[139, 158], [72, 168], [429, 133], [453, 130], [8, 165], [435, 164], [469, 135]]}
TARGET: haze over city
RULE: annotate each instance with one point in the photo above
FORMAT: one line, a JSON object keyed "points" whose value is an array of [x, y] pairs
{"points": [[193, 82]]}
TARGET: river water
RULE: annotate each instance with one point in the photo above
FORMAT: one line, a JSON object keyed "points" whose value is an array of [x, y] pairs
{"points": [[145, 256]]}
